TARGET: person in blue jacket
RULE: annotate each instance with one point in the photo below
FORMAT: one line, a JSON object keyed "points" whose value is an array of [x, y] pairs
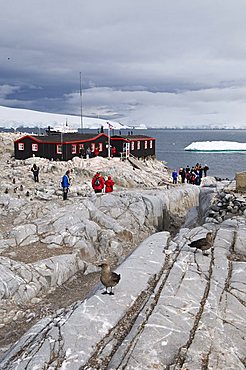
{"points": [[175, 177], [65, 184]]}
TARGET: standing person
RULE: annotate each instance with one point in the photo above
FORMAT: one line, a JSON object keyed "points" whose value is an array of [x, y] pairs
{"points": [[175, 176], [187, 168], [192, 176], [109, 185], [205, 169], [88, 153], [198, 178], [82, 153], [35, 171], [113, 151], [98, 183], [65, 184], [200, 172], [96, 151], [183, 175]]}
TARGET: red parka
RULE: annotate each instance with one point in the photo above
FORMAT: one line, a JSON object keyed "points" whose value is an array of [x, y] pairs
{"points": [[109, 185], [97, 187]]}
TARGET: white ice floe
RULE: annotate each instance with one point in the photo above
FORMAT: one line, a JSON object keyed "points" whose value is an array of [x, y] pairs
{"points": [[216, 146]]}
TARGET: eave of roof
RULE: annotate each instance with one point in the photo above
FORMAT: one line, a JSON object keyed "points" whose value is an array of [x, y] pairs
{"points": [[63, 137], [132, 137], [71, 138]]}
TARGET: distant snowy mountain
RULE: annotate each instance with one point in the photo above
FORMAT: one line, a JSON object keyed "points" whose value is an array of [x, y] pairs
{"points": [[14, 117]]}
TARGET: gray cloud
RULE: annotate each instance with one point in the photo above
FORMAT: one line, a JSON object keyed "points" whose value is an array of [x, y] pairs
{"points": [[159, 63]]}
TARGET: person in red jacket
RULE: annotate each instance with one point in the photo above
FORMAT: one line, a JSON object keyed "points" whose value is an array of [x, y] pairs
{"points": [[109, 185], [113, 151], [98, 183], [96, 151]]}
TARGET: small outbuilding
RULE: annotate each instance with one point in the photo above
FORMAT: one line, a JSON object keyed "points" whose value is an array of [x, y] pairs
{"points": [[65, 146], [140, 146]]}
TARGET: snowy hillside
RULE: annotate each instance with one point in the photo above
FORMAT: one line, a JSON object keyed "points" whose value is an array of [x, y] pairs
{"points": [[14, 117]]}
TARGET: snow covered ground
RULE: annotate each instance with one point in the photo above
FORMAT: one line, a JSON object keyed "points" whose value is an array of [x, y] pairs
{"points": [[13, 117], [216, 146]]}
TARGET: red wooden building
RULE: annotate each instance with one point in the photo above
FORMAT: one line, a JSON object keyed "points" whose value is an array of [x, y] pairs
{"points": [[65, 146]]}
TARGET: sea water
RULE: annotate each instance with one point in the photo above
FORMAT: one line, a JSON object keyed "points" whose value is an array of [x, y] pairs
{"points": [[170, 146]]}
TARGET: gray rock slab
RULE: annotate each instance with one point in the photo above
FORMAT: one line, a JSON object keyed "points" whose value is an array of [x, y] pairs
{"points": [[198, 321], [74, 333], [21, 282]]}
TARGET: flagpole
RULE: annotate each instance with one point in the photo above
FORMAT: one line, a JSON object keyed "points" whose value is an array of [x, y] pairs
{"points": [[81, 103], [108, 140]]}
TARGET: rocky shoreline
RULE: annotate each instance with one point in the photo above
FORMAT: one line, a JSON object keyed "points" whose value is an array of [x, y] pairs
{"points": [[50, 249]]}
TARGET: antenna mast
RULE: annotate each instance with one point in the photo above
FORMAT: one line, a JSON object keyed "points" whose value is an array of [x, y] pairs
{"points": [[81, 103]]}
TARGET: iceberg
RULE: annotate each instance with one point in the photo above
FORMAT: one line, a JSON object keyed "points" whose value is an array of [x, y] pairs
{"points": [[216, 146]]}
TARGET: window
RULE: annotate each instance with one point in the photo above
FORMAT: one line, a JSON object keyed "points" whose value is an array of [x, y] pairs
{"points": [[34, 147], [92, 147], [59, 149], [138, 145], [21, 146], [100, 147], [150, 144], [73, 148], [81, 146], [132, 145], [145, 144]]}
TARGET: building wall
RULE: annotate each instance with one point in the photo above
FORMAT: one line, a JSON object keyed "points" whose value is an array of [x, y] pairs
{"points": [[142, 152], [27, 152], [49, 150], [45, 150], [67, 148]]}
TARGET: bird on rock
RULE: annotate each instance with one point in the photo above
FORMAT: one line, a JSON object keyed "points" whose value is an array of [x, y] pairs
{"points": [[108, 278], [204, 243]]}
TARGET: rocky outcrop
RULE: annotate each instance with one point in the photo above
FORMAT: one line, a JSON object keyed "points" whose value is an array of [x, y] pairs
{"points": [[241, 181], [174, 308], [226, 205], [97, 228], [21, 282]]}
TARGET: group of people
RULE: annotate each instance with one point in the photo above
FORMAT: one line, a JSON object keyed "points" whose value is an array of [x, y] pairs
{"points": [[98, 184], [85, 153], [191, 175], [89, 153]]}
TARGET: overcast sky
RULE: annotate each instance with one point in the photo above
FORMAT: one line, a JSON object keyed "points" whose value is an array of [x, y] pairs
{"points": [[157, 62]]}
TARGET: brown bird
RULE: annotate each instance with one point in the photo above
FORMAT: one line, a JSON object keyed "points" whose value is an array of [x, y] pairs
{"points": [[204, 243], [108, 278]]}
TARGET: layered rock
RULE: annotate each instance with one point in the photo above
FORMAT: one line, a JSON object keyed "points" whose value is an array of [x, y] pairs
{"points": [[170, 299], [105, 227], [174, 308]]}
